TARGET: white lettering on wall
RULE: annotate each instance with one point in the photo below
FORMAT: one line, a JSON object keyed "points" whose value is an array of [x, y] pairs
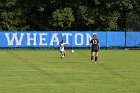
{"points": [[67, 37], [29, 39], [14, 38], [76, 39], [42, 38], [54, 38], [88, 38]]}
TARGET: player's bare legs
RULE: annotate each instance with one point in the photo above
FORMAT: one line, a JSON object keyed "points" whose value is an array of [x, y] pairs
{"points": [[63, 53], [96, 56], [92, 55]]}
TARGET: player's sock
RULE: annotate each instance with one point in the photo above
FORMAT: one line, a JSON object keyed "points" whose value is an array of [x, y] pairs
{"points": [[63, 54], [96, 58], [92, 57]]}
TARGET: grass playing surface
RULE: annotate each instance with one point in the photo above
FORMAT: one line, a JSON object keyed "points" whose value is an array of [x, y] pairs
{"points": [[42, 71]]}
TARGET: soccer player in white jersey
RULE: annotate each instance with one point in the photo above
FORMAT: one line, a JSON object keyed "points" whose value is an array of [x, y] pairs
{"points": [[62, 48]]}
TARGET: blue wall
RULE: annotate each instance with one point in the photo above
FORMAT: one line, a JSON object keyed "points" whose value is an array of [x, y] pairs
{"points": [[73, 38], [133, 39], [116, 39]]}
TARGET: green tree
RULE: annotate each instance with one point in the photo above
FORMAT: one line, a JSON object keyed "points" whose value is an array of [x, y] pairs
{"points": [[11, 16], [62, 18], [66, 14]]}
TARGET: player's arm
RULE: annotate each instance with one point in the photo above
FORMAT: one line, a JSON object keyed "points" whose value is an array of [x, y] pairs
{"points": [[90, 41], [99, 46], [59, 44], [66, 44], [90, 44]]}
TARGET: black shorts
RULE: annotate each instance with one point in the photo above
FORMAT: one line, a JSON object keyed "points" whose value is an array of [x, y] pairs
{"points": [[94, 50]]}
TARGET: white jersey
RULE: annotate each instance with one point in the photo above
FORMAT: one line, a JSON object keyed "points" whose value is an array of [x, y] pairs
{"points": [[62, 46]]}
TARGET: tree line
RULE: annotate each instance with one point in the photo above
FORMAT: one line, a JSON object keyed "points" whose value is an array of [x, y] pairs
{"points": [[42, 15]]}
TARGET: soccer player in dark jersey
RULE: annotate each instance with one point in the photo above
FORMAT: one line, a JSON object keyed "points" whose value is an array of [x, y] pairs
{"points": [[94, 48]]}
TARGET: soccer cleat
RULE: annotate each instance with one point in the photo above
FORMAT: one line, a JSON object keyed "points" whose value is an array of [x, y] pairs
{"points": [[62, 56], [95, 62], [92, 61]]}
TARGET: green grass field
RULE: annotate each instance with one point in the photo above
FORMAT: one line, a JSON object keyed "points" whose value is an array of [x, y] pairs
{"points": [[42, 71]]}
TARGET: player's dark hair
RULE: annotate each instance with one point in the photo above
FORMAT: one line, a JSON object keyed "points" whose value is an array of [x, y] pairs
{"points": [[62, 41]]}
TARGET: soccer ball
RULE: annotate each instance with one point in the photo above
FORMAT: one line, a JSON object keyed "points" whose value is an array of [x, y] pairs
{"points": [[72, 51]]}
